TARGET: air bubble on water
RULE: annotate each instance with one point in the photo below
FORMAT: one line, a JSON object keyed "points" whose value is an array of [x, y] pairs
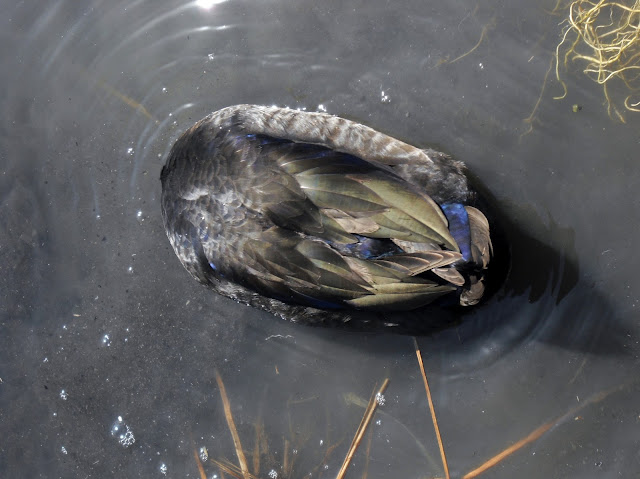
{"points": [[321, 107], [130, 270], [63, 395], [380, 399], [63, 450], [106, 340], [204, 454], [273, 474], [164, 89], [210, 57], [384, 98], [163, 468], [378, 422], [129, 151], [116, 426], [123, 433]]}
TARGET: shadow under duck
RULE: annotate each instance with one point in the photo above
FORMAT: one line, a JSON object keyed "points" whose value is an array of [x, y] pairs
{"points": [[314, 217]]}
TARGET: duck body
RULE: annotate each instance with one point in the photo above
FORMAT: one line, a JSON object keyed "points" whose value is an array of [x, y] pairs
{"points": [[312, 216]]}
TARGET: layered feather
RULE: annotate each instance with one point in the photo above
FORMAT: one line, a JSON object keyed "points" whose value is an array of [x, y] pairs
{"points": [[314, 210]]}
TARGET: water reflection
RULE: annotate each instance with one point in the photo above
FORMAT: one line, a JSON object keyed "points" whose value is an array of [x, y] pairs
{"points": [[84, 84], [207, 4]]}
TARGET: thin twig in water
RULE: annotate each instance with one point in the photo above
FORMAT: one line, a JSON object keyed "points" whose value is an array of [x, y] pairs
{"points": [[368, 452], [431, 408], [128, 101], [199, 464], [256, 449], [232, 470], [531, 117], [508, 451], [364, 423], [537, 433], [285, 462], [232, 428], [482, 34]]}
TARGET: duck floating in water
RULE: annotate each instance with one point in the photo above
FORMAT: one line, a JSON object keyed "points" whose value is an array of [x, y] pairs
{"points": [[309, 215]]}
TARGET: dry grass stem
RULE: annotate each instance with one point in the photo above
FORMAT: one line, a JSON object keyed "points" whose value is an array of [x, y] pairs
{"points": [[128, 101], [533, 436], [486, 28], [232, 470], [232, 428], [364, 423], [532, 116], [256, 450], [285, 462], [367, 454], [508, 451], [605, 37], [431, 408], [199, 464]]}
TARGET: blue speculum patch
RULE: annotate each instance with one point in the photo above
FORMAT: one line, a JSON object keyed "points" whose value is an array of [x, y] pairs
{"points": [[459, 227]]}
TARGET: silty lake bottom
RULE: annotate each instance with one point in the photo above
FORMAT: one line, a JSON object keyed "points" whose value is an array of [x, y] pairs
{"points": [[109, 350]]}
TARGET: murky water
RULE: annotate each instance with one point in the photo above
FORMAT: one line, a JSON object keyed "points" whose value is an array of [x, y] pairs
{"points": [[109, 350]]}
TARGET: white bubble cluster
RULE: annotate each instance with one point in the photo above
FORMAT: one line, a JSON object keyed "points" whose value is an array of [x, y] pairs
{"points": [[380, 399], [123, 432], [273, 474], [127, 438], [163, 468], [63, 395], [204, 454]]}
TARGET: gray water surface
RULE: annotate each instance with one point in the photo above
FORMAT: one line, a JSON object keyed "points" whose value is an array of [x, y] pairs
{"points": [[109, 350]]}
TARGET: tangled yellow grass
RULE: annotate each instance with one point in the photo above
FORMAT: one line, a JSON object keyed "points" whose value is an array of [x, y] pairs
{"points": [[605, 37]]}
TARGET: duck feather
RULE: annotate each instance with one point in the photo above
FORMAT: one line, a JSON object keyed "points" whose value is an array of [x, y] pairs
{"points": [[277, 207]]}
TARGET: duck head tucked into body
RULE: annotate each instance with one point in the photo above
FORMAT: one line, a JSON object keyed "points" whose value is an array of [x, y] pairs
{"points": [[310, 216]]}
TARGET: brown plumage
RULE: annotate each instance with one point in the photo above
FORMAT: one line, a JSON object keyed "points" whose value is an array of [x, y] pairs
{"points": [[300, 213]]}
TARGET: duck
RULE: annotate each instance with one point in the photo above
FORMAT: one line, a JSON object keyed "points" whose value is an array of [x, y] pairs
{"points": [[311, 216]]}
